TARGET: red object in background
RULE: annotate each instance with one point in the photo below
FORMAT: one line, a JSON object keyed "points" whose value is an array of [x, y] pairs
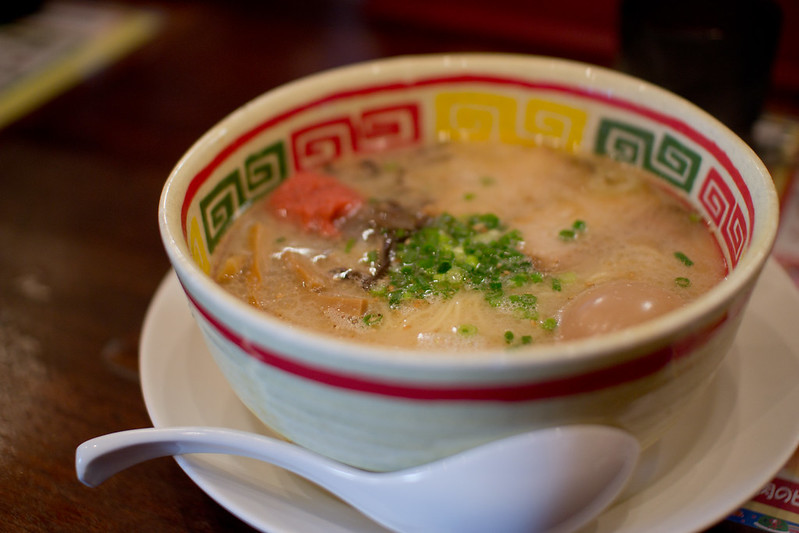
{"points": [[581, 29], [780, 493]]}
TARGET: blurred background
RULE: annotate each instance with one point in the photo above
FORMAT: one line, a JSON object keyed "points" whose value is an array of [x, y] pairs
{"points": [[98, 101]]}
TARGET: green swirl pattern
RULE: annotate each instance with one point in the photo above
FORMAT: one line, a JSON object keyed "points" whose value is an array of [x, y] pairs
{"points": [[664, 155], [261, 172]]}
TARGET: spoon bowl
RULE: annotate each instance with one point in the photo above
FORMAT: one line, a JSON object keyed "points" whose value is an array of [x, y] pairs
{"points": [[552, 480]]}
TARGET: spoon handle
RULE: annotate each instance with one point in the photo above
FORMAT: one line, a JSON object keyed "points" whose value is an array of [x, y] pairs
{"points": [[100, 458]]}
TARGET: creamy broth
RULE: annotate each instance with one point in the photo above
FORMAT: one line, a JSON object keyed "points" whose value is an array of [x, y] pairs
{"points": [[598, 246]]}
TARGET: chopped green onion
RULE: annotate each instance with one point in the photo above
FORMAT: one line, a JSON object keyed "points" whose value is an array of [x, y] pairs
{"points": [[682, 282], [524, 305], [348, 246], [549, 324], [567, 235], [520, 279], [578, 226], [524, 339], [467, 329], [469, 196], [372, 319], [683, 258], [475, 252]]}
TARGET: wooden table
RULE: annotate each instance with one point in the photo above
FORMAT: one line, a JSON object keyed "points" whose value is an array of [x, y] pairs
{"points": [[80, 253]]}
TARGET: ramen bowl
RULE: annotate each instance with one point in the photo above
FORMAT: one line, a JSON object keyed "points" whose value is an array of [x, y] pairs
{"points": [[385, 408]]}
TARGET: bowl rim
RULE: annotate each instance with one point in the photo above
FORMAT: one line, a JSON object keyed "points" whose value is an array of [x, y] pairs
{"points": [[301, 343]]}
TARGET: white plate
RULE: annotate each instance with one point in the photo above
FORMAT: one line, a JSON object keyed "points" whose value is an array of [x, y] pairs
{"points": [[743, 429]]}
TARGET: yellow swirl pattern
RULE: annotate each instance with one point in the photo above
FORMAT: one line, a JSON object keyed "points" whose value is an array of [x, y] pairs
{"points": [[479, 116], [197, 246]]}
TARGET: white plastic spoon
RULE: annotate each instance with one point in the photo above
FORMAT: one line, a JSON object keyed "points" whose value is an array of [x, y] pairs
{"points": [[551, 480]]}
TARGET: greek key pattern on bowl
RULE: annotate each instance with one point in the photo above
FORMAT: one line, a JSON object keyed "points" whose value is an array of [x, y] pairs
{"points": [[665, 156], [262, 170], [372, 130], [483, 116], [481, 109], [719, 202]]}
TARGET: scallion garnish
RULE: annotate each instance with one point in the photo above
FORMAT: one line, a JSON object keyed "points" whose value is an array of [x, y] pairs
{"points": [[570, 234], [372, 319], [683, 258], [467, 329], [549, 324], [475, 252], [567, 235]]}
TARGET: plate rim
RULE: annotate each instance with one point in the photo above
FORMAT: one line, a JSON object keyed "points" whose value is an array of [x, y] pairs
{"points": [[169, 293]]}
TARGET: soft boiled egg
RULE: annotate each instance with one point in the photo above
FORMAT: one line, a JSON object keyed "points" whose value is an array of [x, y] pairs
{"points": [[612, 306]]}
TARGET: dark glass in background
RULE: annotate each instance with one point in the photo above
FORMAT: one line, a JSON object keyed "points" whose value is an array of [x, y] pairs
{"points": [[11, 10], [716, 53]]}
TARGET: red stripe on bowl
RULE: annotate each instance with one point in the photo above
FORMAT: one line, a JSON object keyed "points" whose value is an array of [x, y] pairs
{"points": [[614, 375]]}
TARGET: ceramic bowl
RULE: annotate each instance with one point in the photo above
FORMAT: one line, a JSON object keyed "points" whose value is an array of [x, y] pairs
{"points": [[383, 408]]}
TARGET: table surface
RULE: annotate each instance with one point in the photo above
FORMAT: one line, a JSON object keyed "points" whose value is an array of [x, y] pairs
{"points": [[81, 255]]}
